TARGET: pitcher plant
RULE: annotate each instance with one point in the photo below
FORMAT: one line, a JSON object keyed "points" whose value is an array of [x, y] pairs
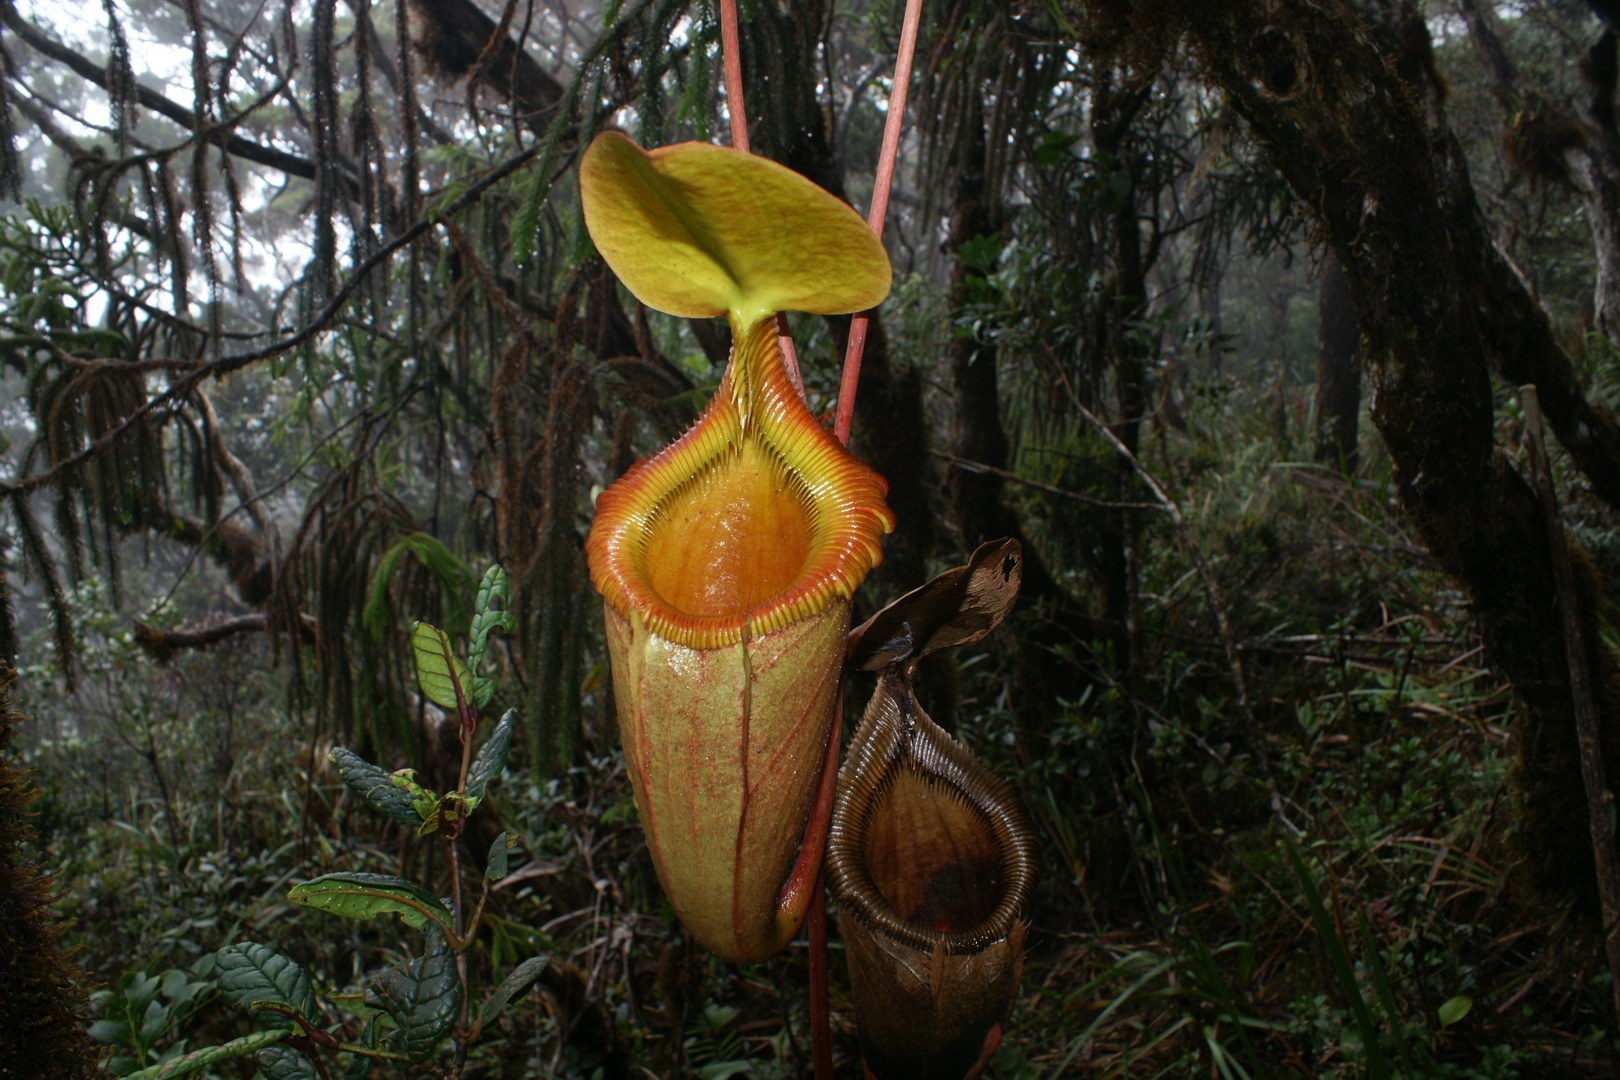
{"points": [[727, 561], [931, 857]]}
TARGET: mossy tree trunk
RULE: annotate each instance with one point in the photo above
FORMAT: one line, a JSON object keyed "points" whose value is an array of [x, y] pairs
{"points": [[1333, 93], [1338, 381], [43, 1029]]}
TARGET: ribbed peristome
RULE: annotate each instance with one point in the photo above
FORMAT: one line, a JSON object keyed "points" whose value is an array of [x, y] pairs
{"points": [[898, 749], [752, 520]]}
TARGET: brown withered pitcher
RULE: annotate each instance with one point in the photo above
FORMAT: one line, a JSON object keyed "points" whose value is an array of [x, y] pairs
{"points": [[930, 855]]}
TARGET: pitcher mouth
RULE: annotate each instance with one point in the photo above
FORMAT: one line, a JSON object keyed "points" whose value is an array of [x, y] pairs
{"points": [[753, 519], [926, 846]]}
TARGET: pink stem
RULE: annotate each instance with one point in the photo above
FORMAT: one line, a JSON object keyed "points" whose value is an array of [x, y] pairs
{"points": [[849, 381], [731, 50], [790, 355]]}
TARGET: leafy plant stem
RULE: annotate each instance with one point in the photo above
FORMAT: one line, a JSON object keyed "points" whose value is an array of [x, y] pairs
{"points": [[850, 377]]}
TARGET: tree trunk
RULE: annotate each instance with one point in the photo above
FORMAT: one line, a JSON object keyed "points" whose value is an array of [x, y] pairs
{"points": [[1338, 381], [1437, 307], [45, 1011]]}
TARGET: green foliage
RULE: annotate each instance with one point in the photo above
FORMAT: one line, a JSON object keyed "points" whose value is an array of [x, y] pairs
{"points": [[490, 759], [142, 1012], [375, 786], [365, 896], [443, 678], [253, 976], [452, 573], [257, 1043], [423, 996], [410, 1008]]}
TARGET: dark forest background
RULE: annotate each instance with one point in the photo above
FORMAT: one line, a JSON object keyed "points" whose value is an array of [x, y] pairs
{"points": [[1222, 308]]}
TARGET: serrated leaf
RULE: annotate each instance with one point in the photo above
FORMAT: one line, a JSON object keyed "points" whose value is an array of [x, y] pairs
{"points": [[356, 895], [198, 1060], [444, 679], [483, 690], [374, 786], [491, 758], [699, 230], [249, 973], [514, 986], [1453, 1010], [423, 996], [285, 1063]]}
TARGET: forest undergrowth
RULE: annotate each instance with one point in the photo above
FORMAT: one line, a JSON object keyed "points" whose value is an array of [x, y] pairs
{"points": [[1345, 903]]}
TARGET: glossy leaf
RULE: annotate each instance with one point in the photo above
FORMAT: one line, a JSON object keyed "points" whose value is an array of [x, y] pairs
{"points": [[514, 986], [699, 230], [444, 679], [423, 996], [491, 758], [364, 896], [374, 786], [249, 974]]}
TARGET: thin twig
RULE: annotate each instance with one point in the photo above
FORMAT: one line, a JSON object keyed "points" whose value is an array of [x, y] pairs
{"points": [[967, 465], [201, 371], [1212, 589]]}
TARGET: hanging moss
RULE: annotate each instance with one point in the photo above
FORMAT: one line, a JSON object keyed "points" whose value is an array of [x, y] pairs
{"points": [[45, 1027]]}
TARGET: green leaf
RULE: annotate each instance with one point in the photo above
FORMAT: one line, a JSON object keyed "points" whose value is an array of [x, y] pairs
{"points": [[375, 786], [485, 619], [491, 758], [699, 230], [423, 800], [249, 974], [444, 679], [198, 1060], [453, 575], [285, 1063], [423, 996], [153, 1022], [514, 986], [1455, 1009], [497, 865], [1339, 959], [363, 896], [111, 1032]]}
